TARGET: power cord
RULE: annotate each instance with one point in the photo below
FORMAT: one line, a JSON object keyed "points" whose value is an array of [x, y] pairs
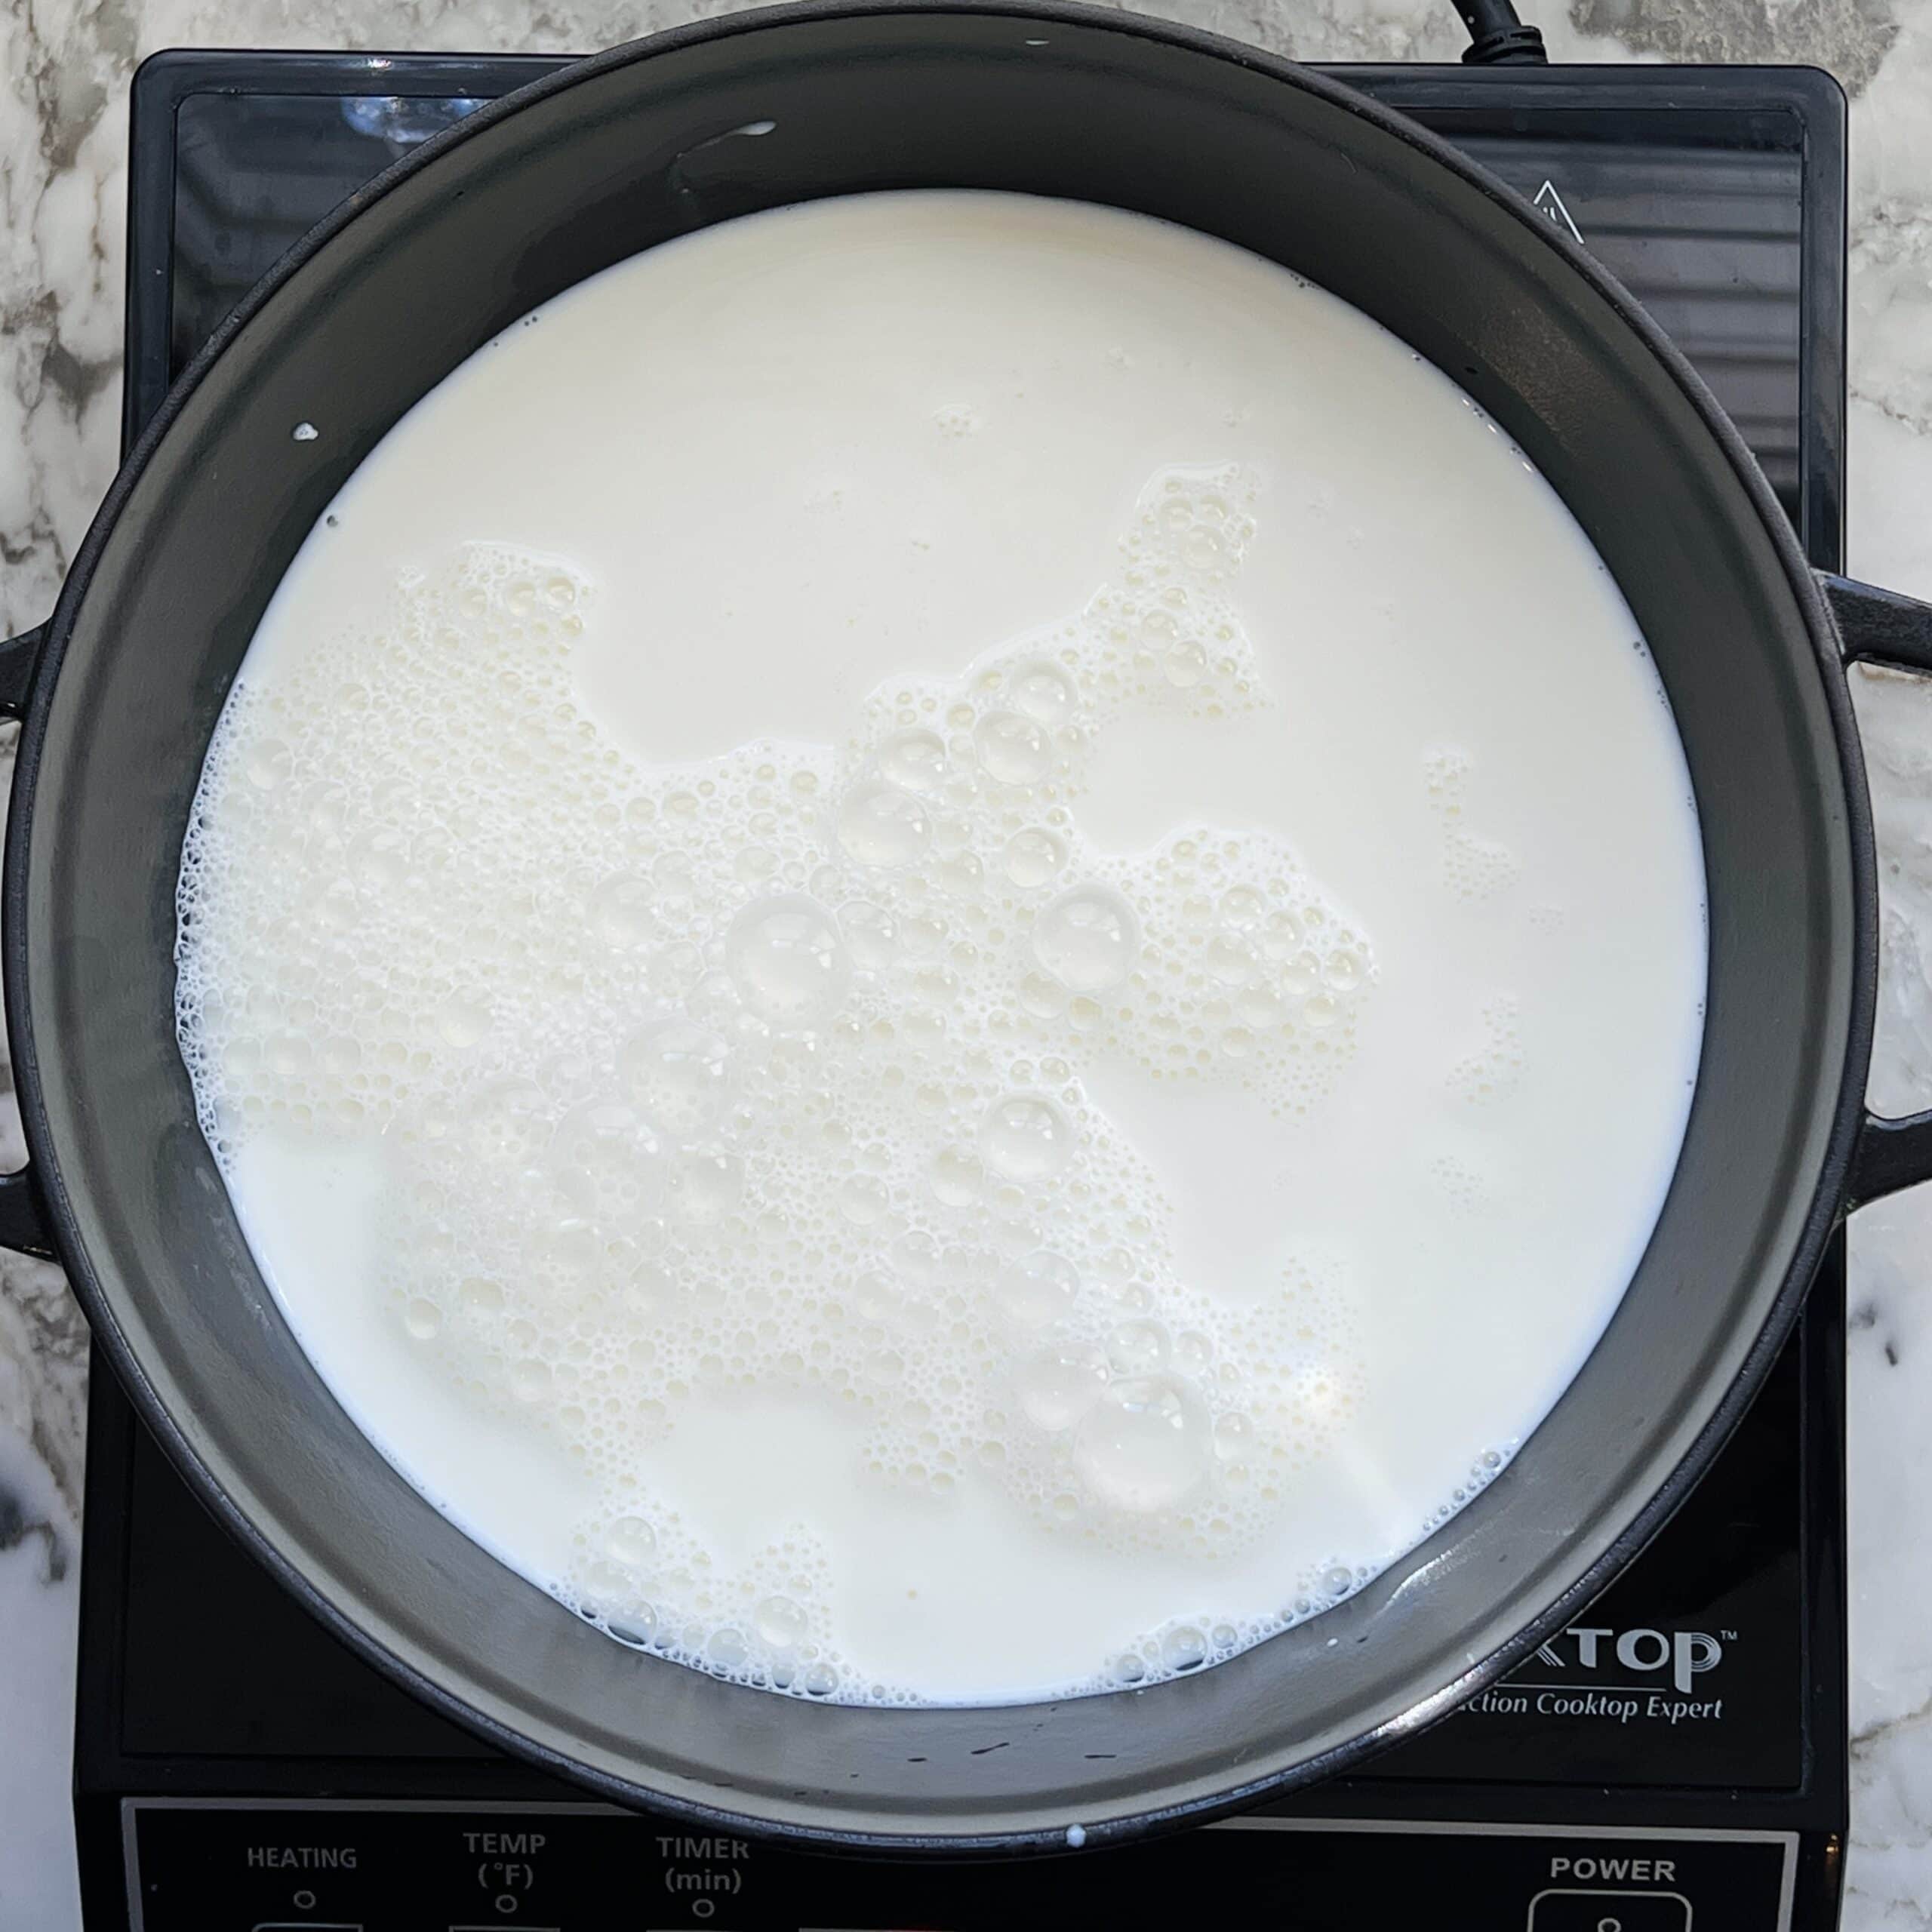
{"points": [[1496, 38]]}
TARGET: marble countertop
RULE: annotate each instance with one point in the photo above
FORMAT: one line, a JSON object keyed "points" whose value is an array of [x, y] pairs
{"points": [[64, 70]]}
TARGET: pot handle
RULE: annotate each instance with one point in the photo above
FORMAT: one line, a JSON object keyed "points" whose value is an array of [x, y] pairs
{"points": [[24, 1227], [1881, 627], [19, 658]]}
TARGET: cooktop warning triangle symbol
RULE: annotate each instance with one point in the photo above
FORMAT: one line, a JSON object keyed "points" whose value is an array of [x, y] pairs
{"points": [[1551, 205]]}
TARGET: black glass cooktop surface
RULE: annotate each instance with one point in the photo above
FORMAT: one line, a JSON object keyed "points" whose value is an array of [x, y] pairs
{"points": [[1676, 1758]]}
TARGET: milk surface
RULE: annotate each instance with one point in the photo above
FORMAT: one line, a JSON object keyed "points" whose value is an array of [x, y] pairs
{"points": [[918, 968]]}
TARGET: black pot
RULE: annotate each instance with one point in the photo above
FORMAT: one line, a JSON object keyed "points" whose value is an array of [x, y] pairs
{"points": [[120, 692]]}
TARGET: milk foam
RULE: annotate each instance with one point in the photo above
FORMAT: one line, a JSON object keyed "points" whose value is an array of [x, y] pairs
{"points": [[761, 1138], [765, 1072]]}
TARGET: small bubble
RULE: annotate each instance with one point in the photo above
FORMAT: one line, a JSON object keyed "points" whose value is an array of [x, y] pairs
{"points": [[1184, 1649], [863, 1199], [780, 1624], [880, 826], [637, 1626], [1231, 960], [937, 985], [1044, 693], [871, 935], [1014, 750], [623, 911], [480, 1296], [269, 765], [1033, 856], [463, 1022], [915, 761], [916, 1254], [631, 1541], [1185, 664], [1137, 1348], [1057, 1386], [1038, 1289], [956, 1177], [705, 1183], [1040, 996], [505, 1124], [1193, 1351], [951, 835], [960, 874], [1200, 549], [529, 1380], [1025, 1136], [1260, 1006], [875, 1296], [1281, 937], [1301, 975], [1243, 908]]}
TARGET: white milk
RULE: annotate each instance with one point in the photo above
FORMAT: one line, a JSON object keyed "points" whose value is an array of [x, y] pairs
{"points": [[918, 967]]}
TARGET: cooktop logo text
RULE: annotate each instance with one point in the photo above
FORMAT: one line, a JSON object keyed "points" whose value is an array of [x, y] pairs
{"points": [[1687, 1654]]}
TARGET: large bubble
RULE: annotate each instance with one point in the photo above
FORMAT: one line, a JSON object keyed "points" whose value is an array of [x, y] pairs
{"points": [[1088, 939], [790, 964]]}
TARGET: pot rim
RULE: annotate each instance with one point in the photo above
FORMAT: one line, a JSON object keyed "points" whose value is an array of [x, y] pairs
{"points": [[1825, 1210]]}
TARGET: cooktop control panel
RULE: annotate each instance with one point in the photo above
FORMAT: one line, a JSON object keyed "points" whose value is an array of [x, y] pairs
{"points": [[205, 1865]]}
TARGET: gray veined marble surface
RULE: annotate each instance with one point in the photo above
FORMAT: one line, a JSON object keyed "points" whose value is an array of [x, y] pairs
{"points": [[64, 71]]}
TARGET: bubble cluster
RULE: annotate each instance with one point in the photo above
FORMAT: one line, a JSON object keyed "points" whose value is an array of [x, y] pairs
{"points": [[1465, 1183], [1474, 868], [1493, 1071], [1481, 1473], [770, 1072]]}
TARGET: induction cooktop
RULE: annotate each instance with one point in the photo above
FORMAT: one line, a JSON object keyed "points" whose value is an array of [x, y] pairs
{"points": [[1675, 1759]]}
